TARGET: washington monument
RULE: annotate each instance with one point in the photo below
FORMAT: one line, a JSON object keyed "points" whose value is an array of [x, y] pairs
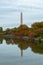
{"points": [[21, 19]]}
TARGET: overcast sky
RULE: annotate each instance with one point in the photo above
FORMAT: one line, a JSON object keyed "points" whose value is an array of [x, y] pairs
{"points": [[10, 11], [22, 3]]}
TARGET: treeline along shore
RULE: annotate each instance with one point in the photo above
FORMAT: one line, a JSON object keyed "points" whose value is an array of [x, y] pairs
{"points": [[33, 32]]}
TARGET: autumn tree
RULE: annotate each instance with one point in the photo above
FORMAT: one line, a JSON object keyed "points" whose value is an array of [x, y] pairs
{"points": [[37, 25]]}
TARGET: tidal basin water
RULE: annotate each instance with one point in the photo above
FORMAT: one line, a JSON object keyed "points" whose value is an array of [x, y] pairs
{"points": [[20, 53]]}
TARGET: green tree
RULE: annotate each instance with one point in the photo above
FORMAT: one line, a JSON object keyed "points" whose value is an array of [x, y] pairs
{"points": [[37, 25]]}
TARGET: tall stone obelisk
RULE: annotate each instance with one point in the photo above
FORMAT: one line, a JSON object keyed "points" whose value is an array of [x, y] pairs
{"points": [[21, 18]]}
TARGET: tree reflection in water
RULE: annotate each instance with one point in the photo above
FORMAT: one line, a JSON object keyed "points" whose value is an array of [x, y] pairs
{"points": [[1, 40], [37, 47]]}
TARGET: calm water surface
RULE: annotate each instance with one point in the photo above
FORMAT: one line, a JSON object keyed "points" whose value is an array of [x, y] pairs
{"points": [[20, 53]]}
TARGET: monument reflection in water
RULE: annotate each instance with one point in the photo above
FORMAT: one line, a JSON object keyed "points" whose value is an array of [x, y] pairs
{"points": [[36, 47]]}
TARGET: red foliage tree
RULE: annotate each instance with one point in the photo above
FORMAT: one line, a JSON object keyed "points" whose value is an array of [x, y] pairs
{"points": [[21, 32]]}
